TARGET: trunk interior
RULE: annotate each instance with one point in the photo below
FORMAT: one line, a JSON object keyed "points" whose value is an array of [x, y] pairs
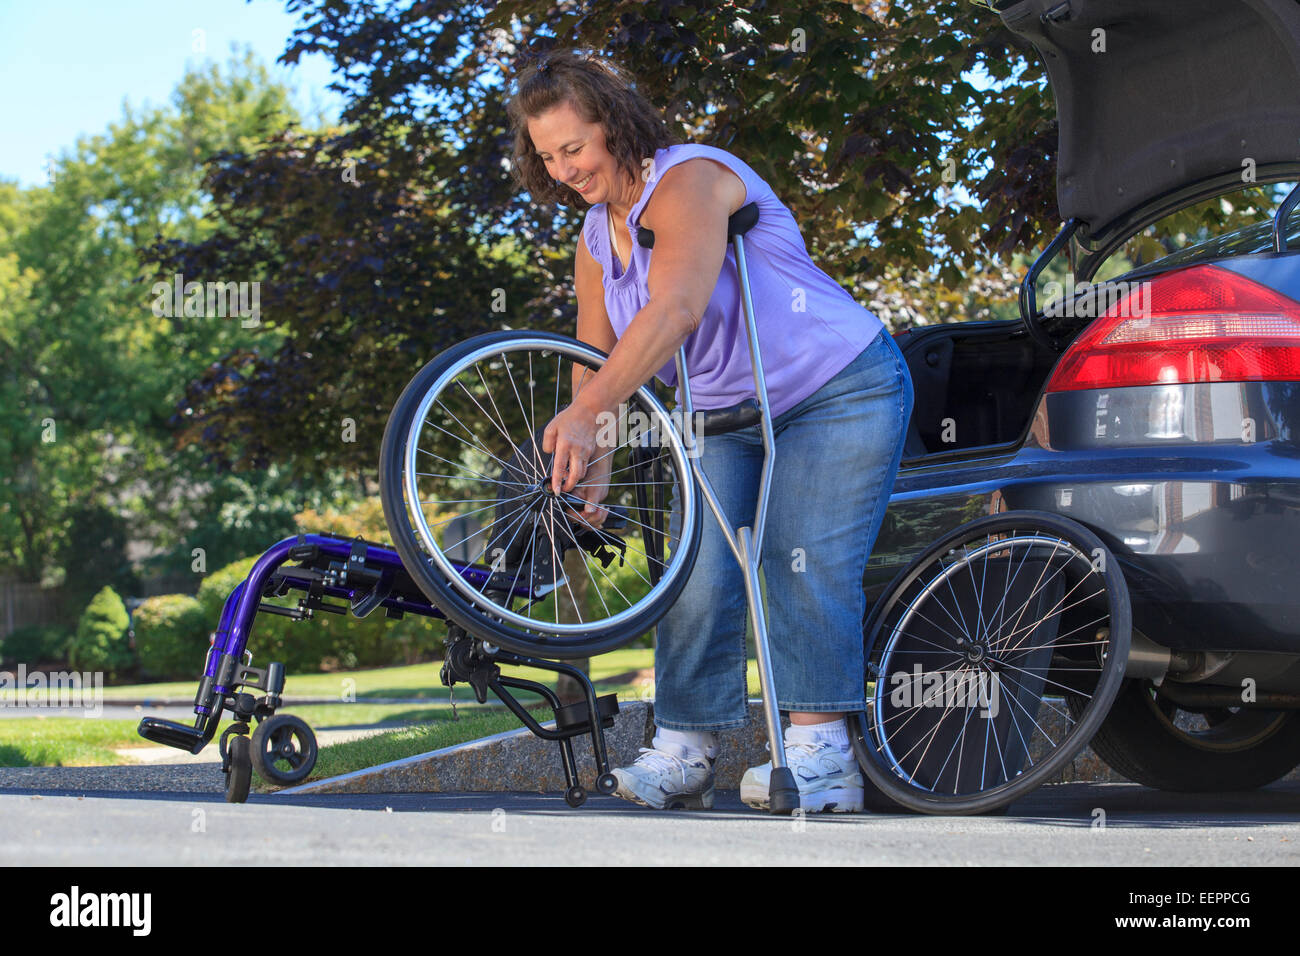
{"points": [[975, 384]]}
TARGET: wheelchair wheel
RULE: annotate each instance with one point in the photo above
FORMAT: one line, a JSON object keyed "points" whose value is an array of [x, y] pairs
{"points": [[283, 749], [464, 444], [995, 655], [239, 775]]}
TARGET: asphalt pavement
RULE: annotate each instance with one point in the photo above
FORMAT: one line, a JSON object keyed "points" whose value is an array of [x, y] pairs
{"points": [[1067, 824]]}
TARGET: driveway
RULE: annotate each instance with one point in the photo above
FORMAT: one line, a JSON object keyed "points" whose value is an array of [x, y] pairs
{"points": [[123, 816]]}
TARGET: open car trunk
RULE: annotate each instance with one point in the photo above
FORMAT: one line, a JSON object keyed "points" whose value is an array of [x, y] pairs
{"points": [[975, 385], [1153, 96]]}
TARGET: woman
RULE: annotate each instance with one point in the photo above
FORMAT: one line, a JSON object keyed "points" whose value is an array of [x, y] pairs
{"points": [[840, 398]]}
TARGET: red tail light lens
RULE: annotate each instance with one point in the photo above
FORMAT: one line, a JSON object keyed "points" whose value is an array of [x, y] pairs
{"points": [[1199, 324]]}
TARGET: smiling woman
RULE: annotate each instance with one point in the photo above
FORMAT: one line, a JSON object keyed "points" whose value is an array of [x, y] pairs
{"points": [[839, 397], [629, 129]]}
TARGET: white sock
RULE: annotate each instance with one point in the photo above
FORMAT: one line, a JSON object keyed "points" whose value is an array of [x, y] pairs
{"points": [[700, 741], [833, 732]]}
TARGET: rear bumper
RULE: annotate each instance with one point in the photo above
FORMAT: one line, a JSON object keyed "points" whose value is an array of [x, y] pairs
{"points": [[1209, 564]]}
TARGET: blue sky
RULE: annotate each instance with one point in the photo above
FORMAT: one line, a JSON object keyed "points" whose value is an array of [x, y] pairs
{"points": [[67, 66]]}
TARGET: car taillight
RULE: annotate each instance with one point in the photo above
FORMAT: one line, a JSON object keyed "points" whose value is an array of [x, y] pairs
{"points": [[1199, 324]]}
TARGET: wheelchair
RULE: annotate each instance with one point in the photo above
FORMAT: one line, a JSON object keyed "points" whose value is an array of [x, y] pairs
{"points": [[1008, 620]]}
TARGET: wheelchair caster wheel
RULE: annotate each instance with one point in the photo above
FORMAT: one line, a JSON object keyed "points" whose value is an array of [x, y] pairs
{"points": [[283, 749], [606, 783], [575, 796], [239, 775]]}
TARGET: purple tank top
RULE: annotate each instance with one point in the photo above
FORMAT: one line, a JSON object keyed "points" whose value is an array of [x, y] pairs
{"points": [[809, 327]]}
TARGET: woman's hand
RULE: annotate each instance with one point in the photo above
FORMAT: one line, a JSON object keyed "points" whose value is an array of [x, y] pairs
{"points": [[571, 435], [594, 488]]}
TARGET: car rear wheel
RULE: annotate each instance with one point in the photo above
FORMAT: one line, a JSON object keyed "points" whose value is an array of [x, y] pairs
{"points": [[1154, 742]]}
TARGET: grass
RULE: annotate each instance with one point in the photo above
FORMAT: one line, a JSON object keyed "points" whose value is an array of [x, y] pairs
{"points": [[80, 742], [419, 681], [63, 741], [409, 741], [90, 742]]}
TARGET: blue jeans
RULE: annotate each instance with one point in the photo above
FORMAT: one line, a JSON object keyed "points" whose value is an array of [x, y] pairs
{"points": [[837, 454]]}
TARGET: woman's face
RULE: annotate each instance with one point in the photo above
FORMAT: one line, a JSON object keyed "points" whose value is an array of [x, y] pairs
{"points": [[574, 153]]}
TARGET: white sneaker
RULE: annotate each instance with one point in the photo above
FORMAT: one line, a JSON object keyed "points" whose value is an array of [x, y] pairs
{"points": [[668, 777], [827, 778]]}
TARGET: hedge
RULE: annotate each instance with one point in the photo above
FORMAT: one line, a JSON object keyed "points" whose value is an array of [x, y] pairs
{"points": [[171, 636]]}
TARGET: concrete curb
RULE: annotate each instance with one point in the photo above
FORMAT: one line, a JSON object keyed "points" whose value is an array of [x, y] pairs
{"points": [[516, 761]]}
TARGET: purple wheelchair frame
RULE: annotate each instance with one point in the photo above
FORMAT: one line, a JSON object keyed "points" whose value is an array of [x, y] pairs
{"points": [[367, 577]]}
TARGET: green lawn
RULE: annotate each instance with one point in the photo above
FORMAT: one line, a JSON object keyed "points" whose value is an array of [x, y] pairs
{"points": [[71, 741], [412, 681], [63, 741], [79, 742]]}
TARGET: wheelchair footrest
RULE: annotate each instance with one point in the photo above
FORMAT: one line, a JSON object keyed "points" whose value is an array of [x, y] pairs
{"points": [[168, 732], [577, 714]]}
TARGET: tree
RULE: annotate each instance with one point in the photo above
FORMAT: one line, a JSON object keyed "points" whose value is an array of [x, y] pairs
{"points": [[401, 233], [88, 373], [914, 143]]}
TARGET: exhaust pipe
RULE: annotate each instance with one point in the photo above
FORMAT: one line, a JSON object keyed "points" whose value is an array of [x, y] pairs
{"points": [[1147, 659]]}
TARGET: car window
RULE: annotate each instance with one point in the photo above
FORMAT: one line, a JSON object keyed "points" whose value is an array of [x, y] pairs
{"points": [[1239, 223], [1243, 242]]}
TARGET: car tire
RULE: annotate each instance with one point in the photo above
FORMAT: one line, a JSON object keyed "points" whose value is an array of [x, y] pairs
{"points": [[1152, 741]]}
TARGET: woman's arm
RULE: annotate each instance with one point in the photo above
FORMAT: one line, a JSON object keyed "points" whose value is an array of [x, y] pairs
{"points": [[688, 214], [594, 326], [691, 206]]}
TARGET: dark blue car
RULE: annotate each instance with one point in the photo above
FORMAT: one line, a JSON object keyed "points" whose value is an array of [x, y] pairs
{"points": [[1158, 410]]}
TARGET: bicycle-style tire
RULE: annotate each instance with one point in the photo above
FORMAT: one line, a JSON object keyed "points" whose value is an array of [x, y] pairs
{"points": [[509, 489]]}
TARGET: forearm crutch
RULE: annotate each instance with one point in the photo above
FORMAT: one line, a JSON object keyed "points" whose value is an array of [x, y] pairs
{"points": [[746, 542]]}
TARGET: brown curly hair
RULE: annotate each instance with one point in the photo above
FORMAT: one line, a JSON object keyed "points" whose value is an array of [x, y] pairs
{"points": [[600, 92]]}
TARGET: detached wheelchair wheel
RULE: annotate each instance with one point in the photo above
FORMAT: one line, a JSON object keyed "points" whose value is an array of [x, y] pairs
{"points": [[466, 494], [996, 655]]}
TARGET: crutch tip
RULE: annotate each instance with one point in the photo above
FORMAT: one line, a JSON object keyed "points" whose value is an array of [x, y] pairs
{"points": [[783, 794]]}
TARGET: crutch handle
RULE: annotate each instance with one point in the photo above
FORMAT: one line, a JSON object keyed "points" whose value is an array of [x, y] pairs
{"points": [[738, 223], [719, 421]]}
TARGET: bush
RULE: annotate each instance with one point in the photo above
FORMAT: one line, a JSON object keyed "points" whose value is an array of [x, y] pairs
{"points": [[171, 636], [34, 643], [273, 638], [101, 643], [365, 518], [378, 641]]}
